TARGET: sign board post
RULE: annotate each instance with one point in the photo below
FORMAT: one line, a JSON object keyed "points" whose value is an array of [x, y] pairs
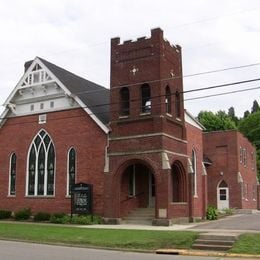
{"points": [[81, 198]]}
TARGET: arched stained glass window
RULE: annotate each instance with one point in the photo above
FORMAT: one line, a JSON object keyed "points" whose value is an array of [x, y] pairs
{"points": [[41, 166], [71, 170], [12, 174]]}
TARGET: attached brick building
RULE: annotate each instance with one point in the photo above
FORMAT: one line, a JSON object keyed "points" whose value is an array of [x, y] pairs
{"points": [[232, 181], [135, 144]]}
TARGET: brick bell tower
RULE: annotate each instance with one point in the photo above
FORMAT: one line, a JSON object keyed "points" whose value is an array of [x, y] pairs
{"points": [[147, 127]]}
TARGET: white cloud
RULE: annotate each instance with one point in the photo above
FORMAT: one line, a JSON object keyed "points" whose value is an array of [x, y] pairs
{"points": [[214, 34]]}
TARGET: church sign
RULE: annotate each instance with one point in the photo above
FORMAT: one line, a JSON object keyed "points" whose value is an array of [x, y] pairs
{"points": [[81, 199]]}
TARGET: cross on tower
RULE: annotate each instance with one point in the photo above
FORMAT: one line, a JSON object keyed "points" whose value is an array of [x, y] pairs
{"points": [[134, 70]]}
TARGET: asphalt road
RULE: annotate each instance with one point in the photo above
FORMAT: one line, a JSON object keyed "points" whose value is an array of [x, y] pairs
{"points": [[28, 251], [238, 222]]}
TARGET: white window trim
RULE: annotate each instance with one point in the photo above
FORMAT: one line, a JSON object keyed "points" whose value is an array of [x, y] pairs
{"points": [[36, 171], [195, 173]]}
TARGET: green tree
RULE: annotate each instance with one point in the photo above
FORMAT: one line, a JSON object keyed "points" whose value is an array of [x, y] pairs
{"points": [[232, 115], [255, 107], [246, 114], [216, 121], [250, 127]]}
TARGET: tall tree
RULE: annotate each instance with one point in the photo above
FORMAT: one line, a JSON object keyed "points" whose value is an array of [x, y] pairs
{"points": [[255, 107], [250, 127], [246, 114], [232, 115]]}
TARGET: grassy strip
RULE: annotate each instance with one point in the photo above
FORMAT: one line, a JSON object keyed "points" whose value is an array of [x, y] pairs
{"points": [[129, 239], [247, 244]]}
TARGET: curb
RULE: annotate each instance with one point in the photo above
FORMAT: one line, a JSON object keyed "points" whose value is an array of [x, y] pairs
{"points": [[201, 253]]}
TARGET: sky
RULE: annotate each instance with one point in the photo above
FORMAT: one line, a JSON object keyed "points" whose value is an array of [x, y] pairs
{"points": [[215, 35]]}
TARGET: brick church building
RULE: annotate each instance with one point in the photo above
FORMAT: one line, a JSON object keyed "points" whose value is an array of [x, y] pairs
{"points": [[135, 143]]}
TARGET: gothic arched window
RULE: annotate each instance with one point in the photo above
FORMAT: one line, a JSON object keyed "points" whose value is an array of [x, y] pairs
{"points": [[41, 166], [12, 174], [71, 171], [124, 101], [146, 99], [168, 100], [194, 166]]}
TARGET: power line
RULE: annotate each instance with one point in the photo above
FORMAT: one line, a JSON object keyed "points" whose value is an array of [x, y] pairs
{"points": [[108, 112], [164, 79]]}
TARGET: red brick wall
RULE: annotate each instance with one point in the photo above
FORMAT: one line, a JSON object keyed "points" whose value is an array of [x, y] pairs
{"points": [[222, 147], [195, 142], [71, 128]]}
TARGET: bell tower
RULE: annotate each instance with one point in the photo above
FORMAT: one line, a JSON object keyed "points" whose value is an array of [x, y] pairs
{"points": [[147, 153], [146, 86]]}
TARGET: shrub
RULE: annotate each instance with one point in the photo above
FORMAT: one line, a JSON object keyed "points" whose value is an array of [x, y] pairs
{"points": [[22, 214], [42, 216], [4, 214], [86, 220], [212, 213], [60, 218], [229, 211]]}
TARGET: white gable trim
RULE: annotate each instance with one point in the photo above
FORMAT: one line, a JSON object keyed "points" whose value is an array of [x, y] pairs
{"points": [[63, 87], [192, 121]]}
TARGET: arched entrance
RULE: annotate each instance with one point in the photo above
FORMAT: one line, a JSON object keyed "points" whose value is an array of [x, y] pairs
{"points": [[223, 195], [137, 188]]}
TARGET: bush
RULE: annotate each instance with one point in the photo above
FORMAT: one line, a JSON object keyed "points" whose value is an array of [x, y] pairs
{"points": [[86, 220], [23, 214], [4, 214], [212, 213], [229, 211], [42, 216], [60, 218]]}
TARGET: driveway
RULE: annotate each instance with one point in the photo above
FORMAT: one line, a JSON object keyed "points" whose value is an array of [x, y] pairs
{"points": [[239, 222]]}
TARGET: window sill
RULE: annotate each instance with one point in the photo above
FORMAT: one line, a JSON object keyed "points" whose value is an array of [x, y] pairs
{"points": [[11, 196], [40, 197], [178, 119], [123, 117], [169, 115], [145, 113]]}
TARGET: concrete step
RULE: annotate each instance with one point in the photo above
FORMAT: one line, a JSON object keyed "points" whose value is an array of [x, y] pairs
{"points": [[140, 216], [218, 236], [215, 241], [211, 247]]}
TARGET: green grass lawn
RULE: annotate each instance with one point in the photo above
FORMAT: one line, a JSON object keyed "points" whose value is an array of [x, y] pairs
{"points": [[127, 239], [247, 244]]}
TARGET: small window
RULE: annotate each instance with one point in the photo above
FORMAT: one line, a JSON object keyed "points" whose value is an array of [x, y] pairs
{"points": [[146, 99], [12, 174], [194, 166], [32, 107], [42, 119], [124, 102], [241, 154], [168, 100], [52, 104], [42, 106], [71, 171]]}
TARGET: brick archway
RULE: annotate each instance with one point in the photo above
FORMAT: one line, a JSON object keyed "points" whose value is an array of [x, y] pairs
{"points": [[179, 183], [137, 186]]}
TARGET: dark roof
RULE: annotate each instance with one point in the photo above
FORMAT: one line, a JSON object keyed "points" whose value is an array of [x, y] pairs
{"points": [[94, 96], [206, 160]]}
